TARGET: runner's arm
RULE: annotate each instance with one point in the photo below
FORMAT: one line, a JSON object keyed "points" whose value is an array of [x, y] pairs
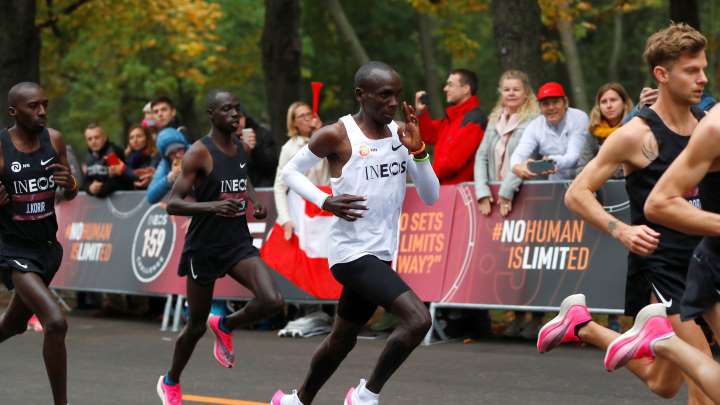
{"points": [[426, 182], [666, 205]]}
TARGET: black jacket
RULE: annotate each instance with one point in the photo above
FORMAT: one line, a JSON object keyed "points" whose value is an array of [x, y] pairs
{"points": [[96, 169]]}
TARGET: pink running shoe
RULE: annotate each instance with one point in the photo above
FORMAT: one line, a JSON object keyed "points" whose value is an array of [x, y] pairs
{"points": [[348, 396], [169, 394], [281, 398], [34, 324], [651, 325], [561, 329], [223, 347]]}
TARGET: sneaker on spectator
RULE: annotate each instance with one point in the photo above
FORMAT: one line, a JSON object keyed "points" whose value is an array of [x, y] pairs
{"points": [[223, 346], [281, 398], [651, 325], [169, 394], [355, 394], [515, 327], [563, 328]]}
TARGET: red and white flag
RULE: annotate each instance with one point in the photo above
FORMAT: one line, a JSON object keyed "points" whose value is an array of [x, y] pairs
{"points": [[303, 258]]}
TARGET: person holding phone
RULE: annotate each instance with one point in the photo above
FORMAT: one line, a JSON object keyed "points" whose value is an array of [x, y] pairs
{"points": [[557, 136], [104, 170], [259, 144]]}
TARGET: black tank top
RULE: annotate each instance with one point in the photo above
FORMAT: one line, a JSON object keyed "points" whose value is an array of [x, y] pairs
{"points": [[675, 248], [710, 198], [212, 234], [30, 215]]}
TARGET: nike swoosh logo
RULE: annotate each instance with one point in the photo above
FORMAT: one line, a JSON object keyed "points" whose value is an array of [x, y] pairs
{"points": [[665, 302], [394, 148], [24, 266], [242, 165], [44, 162], [192, 271]]}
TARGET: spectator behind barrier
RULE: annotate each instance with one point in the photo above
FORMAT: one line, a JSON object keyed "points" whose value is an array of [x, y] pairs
{"points": [[648, 95], [558, 135], [165, 114], [141, 156], [456, 137], [515, 108], [172, 146], [260, 146], [612, 105], [104, 170], [300, 125]]}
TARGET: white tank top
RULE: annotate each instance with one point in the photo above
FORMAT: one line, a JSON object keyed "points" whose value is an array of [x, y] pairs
{"points": [[377, 170]]}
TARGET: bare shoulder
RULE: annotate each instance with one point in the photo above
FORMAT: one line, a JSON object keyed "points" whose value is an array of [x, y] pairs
{"points": [[56, 139], [197, 157], [710, 124], [329, 140]]}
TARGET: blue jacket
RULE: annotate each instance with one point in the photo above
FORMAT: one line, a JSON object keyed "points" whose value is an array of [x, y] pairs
{"points": [[706, 103], [159, 186]]}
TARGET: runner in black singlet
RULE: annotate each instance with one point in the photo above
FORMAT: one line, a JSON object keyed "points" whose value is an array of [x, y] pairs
{"points": [[33, 164], [218, 241]]}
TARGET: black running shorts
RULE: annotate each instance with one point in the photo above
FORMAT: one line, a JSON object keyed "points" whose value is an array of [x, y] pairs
{"points": [[206, 267], [367, 282], [42, 258], [703, 281], [664, 280]]}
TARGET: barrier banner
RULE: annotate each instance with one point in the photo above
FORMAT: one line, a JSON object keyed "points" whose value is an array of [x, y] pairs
{"points": [[536, 256]]}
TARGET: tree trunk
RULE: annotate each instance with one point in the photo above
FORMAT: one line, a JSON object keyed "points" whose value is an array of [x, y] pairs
{"points": [[617, 45], [429, 65], [685, 11], [281, 50], [19, 49], [347, 30], [577, 81], [186, 110], [517, 26]]}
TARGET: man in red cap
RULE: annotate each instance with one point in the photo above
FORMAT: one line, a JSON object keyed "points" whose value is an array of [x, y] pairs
{"points": [[457, 136], [557, 135]]}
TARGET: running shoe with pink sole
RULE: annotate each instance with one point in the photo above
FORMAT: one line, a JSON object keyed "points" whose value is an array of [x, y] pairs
{"points": [[351, 398], [561, 329], [223, 346], [169, 394], [651, 325], [281, 398]]}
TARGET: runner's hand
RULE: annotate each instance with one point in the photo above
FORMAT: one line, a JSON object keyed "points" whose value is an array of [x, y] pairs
{"points": [[259, 211], [61, 175], [410, 135], [4, 196], [639, 239], [344, 206], [228, 208]]}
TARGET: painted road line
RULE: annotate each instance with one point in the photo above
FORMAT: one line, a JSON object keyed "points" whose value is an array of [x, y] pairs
{"points": [[219, 401]]}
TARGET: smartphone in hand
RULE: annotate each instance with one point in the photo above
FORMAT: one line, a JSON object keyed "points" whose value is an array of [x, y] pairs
{"points": [[541, 166], [112, 159], [425, 99]]}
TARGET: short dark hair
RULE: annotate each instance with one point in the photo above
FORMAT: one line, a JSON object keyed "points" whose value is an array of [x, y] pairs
{"points": [[162, 99], [18, 89], [93, 125], [364, 74], [467, 77]]}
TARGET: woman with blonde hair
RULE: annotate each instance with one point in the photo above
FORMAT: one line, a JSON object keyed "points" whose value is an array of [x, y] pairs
{"points": [[612, 105], [515, 108], [301, 123]]}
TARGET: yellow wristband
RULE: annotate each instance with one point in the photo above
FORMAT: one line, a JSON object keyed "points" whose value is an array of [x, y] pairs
{"points": [[419, 151]]}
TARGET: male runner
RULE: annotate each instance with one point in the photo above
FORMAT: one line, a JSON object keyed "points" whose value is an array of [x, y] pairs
{"points": [[659, 256], [218, 241], [33, 163], [698, 164], [370, 156]]}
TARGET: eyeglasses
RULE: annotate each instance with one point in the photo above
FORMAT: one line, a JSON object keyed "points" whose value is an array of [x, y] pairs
{"points": [[306, 116]]}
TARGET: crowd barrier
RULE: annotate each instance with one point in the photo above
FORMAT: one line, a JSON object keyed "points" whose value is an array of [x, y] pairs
{"points": [[449, 253]]}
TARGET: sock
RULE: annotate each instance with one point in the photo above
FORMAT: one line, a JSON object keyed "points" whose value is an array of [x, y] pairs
{"points": [[366, 395], [169, 381], [222, 325]]}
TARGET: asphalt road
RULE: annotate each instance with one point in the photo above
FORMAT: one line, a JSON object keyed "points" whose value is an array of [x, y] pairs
{"points": [[117, 361]]}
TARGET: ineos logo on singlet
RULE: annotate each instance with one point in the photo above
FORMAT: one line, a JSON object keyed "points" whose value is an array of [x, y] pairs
{"points": [[34, 185], [382, 170], [233, 185]]}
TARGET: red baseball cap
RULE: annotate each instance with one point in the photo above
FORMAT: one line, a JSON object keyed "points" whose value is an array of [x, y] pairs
{"points": [[550, 89]]}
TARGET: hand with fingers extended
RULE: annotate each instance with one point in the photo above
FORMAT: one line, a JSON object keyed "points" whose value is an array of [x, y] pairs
{"points": [[62, 176], [485, 205], [639, 239], [410, 135], [345, 206], [505, 206], [4, 195], [259, 211], [228, 208]]}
